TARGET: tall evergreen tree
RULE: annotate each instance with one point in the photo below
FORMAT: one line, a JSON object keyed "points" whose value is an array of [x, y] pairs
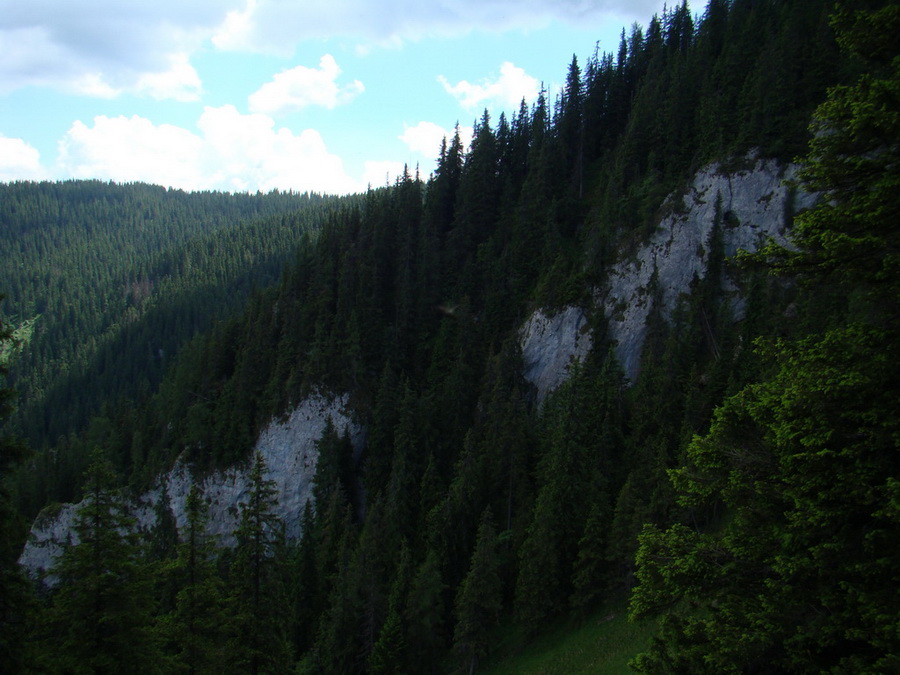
{"points": [[806, 461], [258, 598], [197, 626], [479, 599], [16, 599], [425, 616], [101, 612]]}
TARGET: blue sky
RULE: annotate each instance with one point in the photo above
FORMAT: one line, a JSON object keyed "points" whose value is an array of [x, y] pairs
{"points": [[245, 95]]}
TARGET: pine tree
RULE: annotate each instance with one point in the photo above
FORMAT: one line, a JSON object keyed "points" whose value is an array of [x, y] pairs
{"points": [[258, 598], [806, 460], [589, 574], [388, 654], [16, 600], [197, 626], [425, 616], [103, 606], [479, 599]]}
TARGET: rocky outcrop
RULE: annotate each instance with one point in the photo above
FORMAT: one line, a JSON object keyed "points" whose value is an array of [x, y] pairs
{"points": [[289, 449], [550, 344], [752, 205]]}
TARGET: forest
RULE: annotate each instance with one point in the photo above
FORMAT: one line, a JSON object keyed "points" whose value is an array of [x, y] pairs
{"points": [[742, 490]]}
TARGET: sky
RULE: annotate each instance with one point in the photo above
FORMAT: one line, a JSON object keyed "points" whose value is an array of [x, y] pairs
{"points": [[328, 96]]}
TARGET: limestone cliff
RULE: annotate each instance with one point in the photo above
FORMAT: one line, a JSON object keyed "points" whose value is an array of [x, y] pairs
{"points": [[289, 450], [753, 203], [550, 343]]}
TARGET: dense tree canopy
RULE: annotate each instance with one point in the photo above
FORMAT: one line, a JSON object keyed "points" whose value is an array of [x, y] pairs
{"points": [[468, 508], [794, 576]]}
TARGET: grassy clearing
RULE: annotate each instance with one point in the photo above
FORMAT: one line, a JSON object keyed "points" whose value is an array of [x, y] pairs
{"points": [[604, 643]]}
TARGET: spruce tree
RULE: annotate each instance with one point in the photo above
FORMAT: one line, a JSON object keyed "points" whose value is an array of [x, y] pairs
{"points": [[16, 599], [258, 599], [806, 460], [479, 598], [101, 612], [425, 616], [197, 626]]}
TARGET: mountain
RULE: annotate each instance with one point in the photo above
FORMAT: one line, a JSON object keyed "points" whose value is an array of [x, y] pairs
{"points": [[109, 281], [550, 342], [601, 352]]}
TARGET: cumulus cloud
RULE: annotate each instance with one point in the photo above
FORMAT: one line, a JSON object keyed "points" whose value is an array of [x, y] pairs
{"points": [[507, 90], [132, 149], [277, 25], [425, 138], [180, 82], [106, 47], [232, 151], [299, 87], [19, 161]]}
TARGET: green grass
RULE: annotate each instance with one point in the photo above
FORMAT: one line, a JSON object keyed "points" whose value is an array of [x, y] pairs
{"points": [[603, 643]]}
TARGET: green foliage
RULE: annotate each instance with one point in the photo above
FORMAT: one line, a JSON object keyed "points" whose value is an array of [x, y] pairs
{"points": [[479, 598], [425, 616], [195, 631], [16, 600], [804, 462], [110, 281], [101, 613], [851, 238], [257, 599], [410, 299]]}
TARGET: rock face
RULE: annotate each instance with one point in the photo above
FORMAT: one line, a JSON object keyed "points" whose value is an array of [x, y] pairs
{"points": [[550, 343], [754, 204], [289, 450]]}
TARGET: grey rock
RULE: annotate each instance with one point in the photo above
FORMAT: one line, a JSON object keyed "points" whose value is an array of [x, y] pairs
{"points": [[550, 344], [754, 203], [289, 450]]}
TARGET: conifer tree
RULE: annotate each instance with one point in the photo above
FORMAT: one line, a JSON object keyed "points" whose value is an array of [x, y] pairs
{"points": [[102, 609], [479, 599], [805, 461], [387, 656], [425, 616], [258, 598], [16, 601], [197, 626]]}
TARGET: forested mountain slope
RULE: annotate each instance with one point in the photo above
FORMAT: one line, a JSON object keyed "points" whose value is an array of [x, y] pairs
{"points": [[107, 281], [460, 503]]}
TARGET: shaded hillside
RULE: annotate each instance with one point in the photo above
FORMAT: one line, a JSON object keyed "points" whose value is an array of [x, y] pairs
{"points": [[111, 280], [463, 502]]}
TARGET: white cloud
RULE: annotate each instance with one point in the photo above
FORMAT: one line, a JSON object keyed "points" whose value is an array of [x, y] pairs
{"points": [[232, 151], [507, 90], [299, 87], [379, 174], [425, 138], [132, 149], [106, 47], [275, 26], [180, 82], [236, 31], [19, 161]]}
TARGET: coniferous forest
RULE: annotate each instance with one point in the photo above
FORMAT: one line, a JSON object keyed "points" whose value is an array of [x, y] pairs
{"points": [[742, 490]]}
